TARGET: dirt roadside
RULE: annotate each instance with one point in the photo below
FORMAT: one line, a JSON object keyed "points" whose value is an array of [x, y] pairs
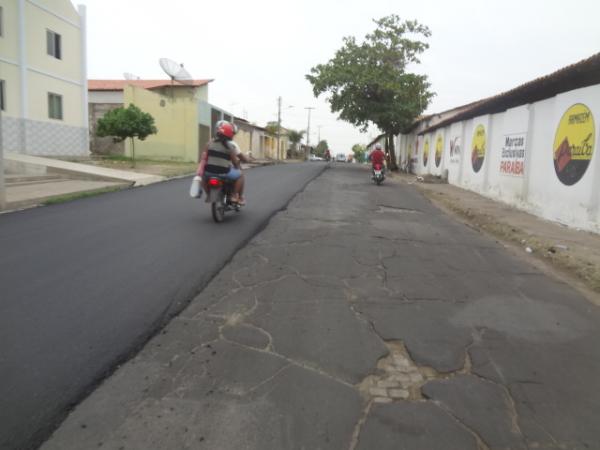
{"points": [[570, 255]]}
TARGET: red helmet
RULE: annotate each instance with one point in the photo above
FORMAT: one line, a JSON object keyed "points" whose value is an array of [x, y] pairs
{"points": [[225, 129]]}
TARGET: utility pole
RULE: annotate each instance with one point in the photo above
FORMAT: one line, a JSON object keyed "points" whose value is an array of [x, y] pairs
{"points": [[308, 131], [278, 126], [319, 127]]}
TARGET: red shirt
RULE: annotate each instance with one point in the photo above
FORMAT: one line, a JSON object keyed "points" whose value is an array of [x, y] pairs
{"points": [[377, 157]]}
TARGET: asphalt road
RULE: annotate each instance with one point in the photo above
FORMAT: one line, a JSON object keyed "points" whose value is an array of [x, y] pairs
{"points": [[84, 284], [360, 318]]}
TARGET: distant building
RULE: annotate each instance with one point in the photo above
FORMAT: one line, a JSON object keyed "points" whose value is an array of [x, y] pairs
{"points": [[43, 95]]}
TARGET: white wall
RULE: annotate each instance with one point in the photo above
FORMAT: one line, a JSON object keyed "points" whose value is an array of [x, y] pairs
{"points": [[518, 167]]}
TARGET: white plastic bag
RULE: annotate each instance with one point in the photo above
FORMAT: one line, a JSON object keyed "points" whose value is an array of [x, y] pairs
{"points": [[195, 188]]}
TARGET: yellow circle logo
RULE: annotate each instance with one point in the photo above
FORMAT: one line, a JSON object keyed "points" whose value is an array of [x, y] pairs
{"points": [[574, 144], [426, 152], [439, 147], [478, 148]]}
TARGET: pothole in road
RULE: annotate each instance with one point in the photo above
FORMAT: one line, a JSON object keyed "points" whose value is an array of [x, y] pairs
{"points": [[399, 378], [396, 209]]}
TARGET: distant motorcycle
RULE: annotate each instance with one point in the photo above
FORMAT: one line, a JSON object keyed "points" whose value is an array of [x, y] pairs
{"points": [[219, 197], [378, 175]]}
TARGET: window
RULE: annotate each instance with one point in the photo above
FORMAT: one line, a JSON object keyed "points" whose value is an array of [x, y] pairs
{"points": [[1, 22], [2, 96], [55, 106], [53, 44]]}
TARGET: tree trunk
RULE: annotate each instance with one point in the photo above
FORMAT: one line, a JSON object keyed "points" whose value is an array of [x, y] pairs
{"points": [[132, 152], [389, 143]]}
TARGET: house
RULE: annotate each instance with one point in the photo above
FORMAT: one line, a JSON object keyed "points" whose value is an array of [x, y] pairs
{"points": [[43, 95], [251, 138], [182, 115]]}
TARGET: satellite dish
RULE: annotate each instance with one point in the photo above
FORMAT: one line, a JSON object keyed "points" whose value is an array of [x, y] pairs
{"points": [[175, 71], [130, 76]]}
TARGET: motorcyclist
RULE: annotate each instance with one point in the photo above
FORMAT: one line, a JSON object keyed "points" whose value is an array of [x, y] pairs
{"points": [[377, 158], [222, 158]]}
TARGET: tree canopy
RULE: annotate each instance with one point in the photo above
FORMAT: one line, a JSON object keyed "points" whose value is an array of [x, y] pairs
{"points": [[359, 151], [122, 123], [272, 128], [370, 82], [295, 136], [321, 148]]}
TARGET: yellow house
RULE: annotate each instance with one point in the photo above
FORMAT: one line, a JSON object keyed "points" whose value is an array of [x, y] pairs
{"points": [[176, 118], [180, 111], [271, 148], [43, 77]]}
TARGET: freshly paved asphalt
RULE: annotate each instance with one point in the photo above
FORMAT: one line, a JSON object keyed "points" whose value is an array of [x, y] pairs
{"points": [[85, 283], [362, 318]]}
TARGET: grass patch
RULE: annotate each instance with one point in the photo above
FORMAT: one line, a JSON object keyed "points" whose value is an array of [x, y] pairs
{"points": [[127, 159], [77, 195]]}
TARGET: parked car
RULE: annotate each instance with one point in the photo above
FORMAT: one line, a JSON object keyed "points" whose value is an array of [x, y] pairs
{"points": [[315, 158]]}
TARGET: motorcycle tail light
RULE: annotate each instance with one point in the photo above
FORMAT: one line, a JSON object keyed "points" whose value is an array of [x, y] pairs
{"points": [[214, 182]]}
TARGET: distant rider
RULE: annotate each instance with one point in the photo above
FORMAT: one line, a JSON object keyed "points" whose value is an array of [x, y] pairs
{"points": [[377, 158], [221, 158]]}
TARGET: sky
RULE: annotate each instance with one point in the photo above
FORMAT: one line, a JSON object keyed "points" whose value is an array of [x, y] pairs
{"points": [[257, 51]]}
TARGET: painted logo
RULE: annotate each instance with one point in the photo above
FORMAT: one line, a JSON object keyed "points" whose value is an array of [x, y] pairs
{"points": [[439, 147], [574, 144], [455, 150], [426, 152], [512, 157], [478, 146]]}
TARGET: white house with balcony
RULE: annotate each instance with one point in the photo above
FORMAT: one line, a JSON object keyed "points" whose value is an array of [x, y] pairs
{"points": [[43, 79]]}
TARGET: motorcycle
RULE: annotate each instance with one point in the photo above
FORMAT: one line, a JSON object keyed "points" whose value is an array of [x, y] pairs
{"points": [[219, 197], [378, 175]]}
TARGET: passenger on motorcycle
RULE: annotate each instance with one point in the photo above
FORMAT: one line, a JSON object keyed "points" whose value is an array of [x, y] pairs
{"points": [[221, 158], [377, 158]]}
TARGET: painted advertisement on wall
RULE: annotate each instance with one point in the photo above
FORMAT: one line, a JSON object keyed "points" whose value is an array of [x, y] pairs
{"points": [[455, 150], [439, 148], [574, 144], [426, 152], [512, 158], [478, 148]]}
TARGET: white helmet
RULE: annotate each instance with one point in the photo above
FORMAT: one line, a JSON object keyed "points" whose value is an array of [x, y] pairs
{"points": [[377, 146]]}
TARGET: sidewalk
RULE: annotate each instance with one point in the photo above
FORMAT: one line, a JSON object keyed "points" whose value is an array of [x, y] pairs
{"points": [[52, 178], [365, 318], [570, 254], [65, 178]]}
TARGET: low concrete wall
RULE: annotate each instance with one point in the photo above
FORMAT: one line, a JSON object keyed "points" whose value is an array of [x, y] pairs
{"points": [[103, 145], [540, 157]]}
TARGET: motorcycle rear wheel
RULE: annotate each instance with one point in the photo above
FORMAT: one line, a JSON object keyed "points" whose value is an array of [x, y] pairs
{"points": [[218, 211]]}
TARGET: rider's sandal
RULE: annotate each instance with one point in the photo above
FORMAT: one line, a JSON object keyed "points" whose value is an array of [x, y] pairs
{"points": [[241, 201]]}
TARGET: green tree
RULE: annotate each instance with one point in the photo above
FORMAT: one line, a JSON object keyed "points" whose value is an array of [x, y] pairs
{"points": [[369, 82], [321, 148], [359, 151], [295, 137], [272, 128], [122, 123]]}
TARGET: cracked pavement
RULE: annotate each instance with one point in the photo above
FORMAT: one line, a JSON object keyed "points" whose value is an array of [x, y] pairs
{"points": [[361, 318]]}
